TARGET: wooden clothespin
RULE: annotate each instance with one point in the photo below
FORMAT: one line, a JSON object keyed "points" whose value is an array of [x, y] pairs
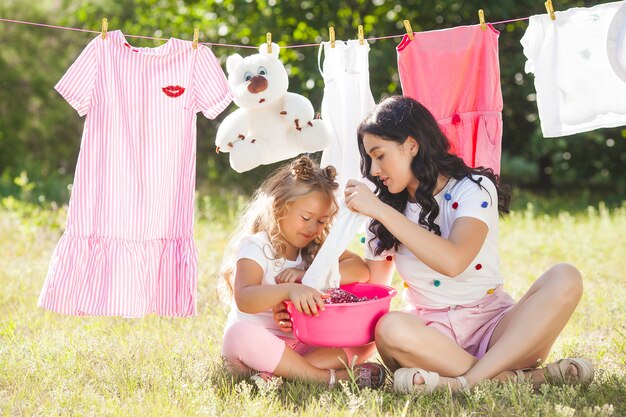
{"points": [[105, 27], [268, 38], [550, 9], [196, 34], [331, 34], [409, 30], [481, 18], [361, 37]]}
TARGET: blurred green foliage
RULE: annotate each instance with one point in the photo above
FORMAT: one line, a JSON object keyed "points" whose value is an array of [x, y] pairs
{"points": [[40, 134]]}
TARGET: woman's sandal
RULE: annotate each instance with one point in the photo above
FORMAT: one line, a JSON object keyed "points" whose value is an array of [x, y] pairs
{"points": [[403, 381], [363, 376], [557, 372], [523, 375]]}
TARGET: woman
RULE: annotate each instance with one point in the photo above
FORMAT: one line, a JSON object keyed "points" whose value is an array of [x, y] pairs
{"points": [[436, 220]]}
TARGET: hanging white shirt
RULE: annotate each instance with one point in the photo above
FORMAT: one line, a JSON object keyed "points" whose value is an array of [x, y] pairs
{"points": [[578, 89], [347, 100]]}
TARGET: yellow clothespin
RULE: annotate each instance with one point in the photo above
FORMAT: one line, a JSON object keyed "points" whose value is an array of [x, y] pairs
{"points": [[105, 27], [331, 33], [409, 30], [361, 37], [268, 38], [550, 9], [196, 34], [481, 18]]}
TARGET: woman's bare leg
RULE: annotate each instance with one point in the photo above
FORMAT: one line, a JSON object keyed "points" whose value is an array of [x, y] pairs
{"points": [[524, 337], [404, 341]]}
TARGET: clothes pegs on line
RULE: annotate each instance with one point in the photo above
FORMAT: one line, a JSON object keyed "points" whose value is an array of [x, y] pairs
{"points": [[331, 34], [550, 9], [409, 29], [105, 27], [268, 38], [481, 18], [196, 34], [361, 37]]}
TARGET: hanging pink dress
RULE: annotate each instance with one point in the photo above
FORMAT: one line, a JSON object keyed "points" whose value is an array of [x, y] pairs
{"points": [[128, 247], [455, 73]]}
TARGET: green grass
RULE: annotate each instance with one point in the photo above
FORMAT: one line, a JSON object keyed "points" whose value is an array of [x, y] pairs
{"points": [[56, 365]]}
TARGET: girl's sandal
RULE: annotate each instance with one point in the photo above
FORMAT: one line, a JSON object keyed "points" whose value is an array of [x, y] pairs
{"points": [[557, 371], [403, 381], [362, 376], [365, 379]]}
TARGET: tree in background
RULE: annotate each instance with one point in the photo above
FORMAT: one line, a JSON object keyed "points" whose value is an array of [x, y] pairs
{"points": [[40, 134]]}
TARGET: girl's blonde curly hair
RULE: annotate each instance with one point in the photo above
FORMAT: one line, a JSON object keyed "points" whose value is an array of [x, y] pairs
{"points": [[271, 202]]}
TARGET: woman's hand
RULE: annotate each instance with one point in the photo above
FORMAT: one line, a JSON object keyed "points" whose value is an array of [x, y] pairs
{"points": [[361, 199], [290, 275], [282, 317], [306, 299]]}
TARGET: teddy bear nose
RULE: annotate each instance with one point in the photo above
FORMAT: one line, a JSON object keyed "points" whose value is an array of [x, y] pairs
{"points": [[257, 84]]}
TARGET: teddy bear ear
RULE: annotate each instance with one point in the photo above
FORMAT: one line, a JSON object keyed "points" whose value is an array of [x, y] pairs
{"points": [[275, 49], [232, 61]]}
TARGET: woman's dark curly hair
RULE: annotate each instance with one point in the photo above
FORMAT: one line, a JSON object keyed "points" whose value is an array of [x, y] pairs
{"points": [[395, 119]]}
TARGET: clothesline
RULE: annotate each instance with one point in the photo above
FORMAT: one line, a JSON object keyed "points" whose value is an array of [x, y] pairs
{"points": [[222, 44]]}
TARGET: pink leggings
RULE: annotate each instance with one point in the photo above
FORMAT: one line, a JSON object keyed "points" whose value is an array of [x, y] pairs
{"points": [[250, 347]]}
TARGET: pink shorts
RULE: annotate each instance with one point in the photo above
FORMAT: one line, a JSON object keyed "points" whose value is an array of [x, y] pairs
{"points": [[250, 347], [469, 325]]}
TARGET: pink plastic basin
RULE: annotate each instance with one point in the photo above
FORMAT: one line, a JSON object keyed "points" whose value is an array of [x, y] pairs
{"points": [[343, 325]]}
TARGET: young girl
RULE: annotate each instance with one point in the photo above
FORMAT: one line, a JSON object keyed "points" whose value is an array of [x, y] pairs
{"points": [[282, 229], [436, 220]]}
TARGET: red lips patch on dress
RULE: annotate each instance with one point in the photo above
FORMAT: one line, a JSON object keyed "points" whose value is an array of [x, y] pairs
{"points": [[126, 44], [173, 90]]}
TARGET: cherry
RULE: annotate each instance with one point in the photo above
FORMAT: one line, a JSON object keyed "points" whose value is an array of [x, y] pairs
{"points": [[341, 296]]}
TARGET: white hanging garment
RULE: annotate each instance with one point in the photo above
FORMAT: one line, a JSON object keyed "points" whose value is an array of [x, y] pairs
{"points": [[347, 100], [616, 43], [324, 271], [579, 64]]}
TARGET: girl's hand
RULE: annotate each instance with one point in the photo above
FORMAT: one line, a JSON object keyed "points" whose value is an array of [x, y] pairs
{"points": [[290, 276], [306, 299], [282, 317], [361, 199]]}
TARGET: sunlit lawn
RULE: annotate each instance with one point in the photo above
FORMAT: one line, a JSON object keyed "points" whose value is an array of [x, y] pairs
{"points": [[56, 365]]}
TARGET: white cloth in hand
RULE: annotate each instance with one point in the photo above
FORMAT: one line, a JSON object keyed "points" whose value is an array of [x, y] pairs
{"points": [[324, 271]]}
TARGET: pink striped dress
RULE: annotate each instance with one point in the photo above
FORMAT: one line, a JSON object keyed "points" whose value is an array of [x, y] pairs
{"points": [[128, 247]]}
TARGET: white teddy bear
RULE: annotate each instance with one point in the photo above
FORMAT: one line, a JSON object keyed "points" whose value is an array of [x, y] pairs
{"points": [[271, 124]]}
